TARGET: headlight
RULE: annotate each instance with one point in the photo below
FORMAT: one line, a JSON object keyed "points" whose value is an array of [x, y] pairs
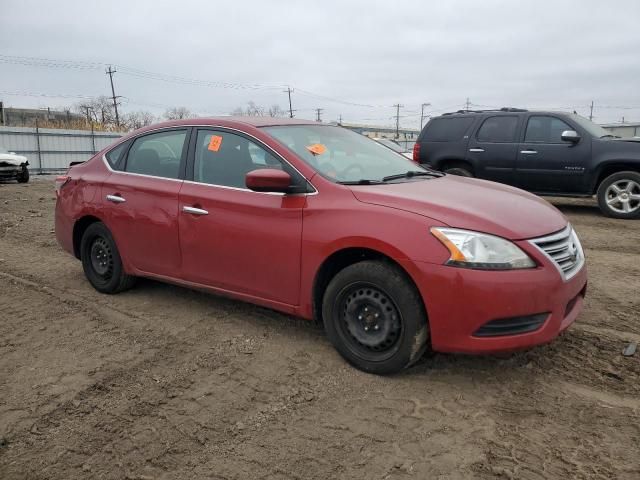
{"points": [[481, 251]]}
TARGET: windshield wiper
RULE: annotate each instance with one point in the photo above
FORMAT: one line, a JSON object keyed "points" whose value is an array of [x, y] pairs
{"points": [[362, 181], [410, 174]]}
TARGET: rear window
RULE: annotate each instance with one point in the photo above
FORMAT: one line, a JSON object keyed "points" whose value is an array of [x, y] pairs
{"points": [[446, 129]]}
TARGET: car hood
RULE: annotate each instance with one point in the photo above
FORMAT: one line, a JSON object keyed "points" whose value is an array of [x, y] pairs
{"points": [[471, 204], [12, 159]]}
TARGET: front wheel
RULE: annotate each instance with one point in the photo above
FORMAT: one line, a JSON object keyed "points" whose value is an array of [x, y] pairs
{"points": [[101, 260], [375, 318], [23, 176], [619, 195]]}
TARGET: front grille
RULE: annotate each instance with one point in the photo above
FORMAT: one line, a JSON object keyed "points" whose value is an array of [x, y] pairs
{"points": [[564, 251], [511, 326]]}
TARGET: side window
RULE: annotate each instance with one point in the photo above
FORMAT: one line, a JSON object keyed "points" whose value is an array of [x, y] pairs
{"points": [[223, 158], [157, 154], [501, 129], [545, 129], [114, 155], [446, 129]]}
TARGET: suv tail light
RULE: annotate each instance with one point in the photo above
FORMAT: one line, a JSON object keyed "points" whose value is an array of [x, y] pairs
{"points": [[416, 152], [61, 181]]}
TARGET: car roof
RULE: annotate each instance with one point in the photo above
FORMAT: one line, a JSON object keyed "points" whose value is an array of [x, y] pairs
{"points": [[233, 121]]}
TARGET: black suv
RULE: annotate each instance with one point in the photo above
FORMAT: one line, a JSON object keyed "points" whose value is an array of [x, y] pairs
{"points": [[548, 153]]}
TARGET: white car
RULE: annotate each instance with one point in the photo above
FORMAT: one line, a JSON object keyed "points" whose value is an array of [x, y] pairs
{"points": [[13, 166], [394, 146]]}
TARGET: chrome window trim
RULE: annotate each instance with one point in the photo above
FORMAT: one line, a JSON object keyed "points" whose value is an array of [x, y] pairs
{"points": [[219, 127], [569, 233]]}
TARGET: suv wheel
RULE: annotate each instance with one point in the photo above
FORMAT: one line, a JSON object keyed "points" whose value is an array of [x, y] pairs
{"points": [[461, 171], [101, 260], [374, 317], [619, 195]]}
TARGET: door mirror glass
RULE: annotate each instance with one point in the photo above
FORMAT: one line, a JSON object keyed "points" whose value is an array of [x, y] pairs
{"points": [[570, 136], [268, 180]]}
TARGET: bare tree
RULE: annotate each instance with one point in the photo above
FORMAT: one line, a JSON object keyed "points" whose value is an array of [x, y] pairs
{"points": [[177, 113], [139, 119], [254, 110], [276, 111]]}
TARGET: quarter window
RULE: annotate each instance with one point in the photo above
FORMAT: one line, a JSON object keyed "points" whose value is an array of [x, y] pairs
{"points": [[223, 158], [545, 129], [114, 155], [498, 129], [157, 154]]}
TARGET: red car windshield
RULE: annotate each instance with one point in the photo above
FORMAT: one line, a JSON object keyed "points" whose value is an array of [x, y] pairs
{"points": [[342, 155]]}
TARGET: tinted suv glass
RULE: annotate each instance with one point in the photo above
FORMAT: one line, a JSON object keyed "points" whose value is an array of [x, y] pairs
{"points": [[545, 129], [498, 129], [157, 154], [446, 129]]}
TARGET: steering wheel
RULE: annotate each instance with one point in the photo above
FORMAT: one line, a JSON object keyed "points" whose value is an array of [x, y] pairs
{"points": [[353, 167]]}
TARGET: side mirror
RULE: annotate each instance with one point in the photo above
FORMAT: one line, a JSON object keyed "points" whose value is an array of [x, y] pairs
{"points": [[570, 136], [268, 180]]}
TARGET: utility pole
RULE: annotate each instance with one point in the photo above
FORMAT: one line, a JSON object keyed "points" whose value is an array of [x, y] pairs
{"points": [[318, 112], [591, 112], [340, 120], [110, 72], [289, 90], [467, 104], [398, 107], [422, 113], [87, 109]]}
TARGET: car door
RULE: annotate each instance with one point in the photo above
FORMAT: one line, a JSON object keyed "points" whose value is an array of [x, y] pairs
{"points": [[233, 238], [546, 163], [140, 198], [494, 148]]}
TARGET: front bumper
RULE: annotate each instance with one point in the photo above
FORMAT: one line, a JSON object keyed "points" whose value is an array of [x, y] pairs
{"points": [[460, 301], [10, 171]]}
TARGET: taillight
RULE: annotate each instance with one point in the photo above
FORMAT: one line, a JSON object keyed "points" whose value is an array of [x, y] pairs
{"points": [[61, 181], [416, 152]]}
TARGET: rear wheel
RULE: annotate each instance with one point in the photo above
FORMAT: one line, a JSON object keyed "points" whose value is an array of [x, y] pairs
{"points": [[460, 170], [375, 318], [23, 176], [101, 260], [619, 195]]}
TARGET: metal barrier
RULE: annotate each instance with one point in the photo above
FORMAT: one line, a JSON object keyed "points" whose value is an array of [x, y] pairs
{"points": [[51, 150]]}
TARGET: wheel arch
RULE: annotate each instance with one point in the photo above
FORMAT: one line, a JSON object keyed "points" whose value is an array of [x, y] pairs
{"points": [[609, 168], [451, 162], [340, 259], [79, 227]]}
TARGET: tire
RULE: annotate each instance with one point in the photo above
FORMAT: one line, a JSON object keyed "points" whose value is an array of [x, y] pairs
{"points": [[375, 318], [619, 195], [101, 260], [23, 177], [460, 171]]}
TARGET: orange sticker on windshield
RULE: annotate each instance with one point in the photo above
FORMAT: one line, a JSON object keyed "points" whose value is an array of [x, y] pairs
{"points": [[317, 148], [214, 143]]}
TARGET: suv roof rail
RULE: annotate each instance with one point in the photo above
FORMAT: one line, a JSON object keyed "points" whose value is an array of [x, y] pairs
{"points": [[503, 109]]}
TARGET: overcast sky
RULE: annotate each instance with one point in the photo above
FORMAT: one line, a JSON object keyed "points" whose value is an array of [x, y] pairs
{"points": [[536, 54]]}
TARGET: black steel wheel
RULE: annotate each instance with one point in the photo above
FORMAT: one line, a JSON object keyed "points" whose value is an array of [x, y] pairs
{"points": [[101, 260], [374, 316]]}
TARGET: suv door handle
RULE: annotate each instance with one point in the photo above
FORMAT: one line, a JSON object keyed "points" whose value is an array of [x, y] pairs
{"points": [[115, 198], [194, 210], [528, 152], [476, 149]]}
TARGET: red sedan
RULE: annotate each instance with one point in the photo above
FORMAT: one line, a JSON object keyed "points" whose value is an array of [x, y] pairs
{"points": [[323, 223]]}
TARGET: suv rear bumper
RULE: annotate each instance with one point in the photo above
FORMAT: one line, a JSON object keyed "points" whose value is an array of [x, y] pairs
{"points": [[474, 311]]}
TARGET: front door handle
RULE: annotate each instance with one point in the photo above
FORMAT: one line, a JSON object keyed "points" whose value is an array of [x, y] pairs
{"points": [[194, 210], [115, 199], [528, 152], [478, 150]]}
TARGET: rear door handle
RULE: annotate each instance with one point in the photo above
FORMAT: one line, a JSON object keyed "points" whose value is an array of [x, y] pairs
{"points": [[476, 150], [194, 210], [115, 199], [528, 152]]}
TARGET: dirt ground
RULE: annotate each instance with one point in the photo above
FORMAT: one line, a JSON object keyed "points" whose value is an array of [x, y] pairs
{"points": [[162, 382]]}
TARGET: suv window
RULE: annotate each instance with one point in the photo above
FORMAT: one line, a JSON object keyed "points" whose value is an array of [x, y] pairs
{"points": [[501, 129], [223, 158], [545, 129], [113, 156], [446, 129], [157, 154]]}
